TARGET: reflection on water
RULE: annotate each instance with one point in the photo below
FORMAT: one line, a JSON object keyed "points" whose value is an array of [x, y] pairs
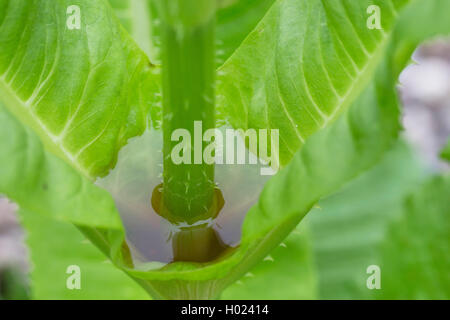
{"points": [[152, 238]]}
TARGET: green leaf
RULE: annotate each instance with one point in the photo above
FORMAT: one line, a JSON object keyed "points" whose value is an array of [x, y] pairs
{"points": [[349, 226], [331, 157], [303, 64], [42, 183], [84, 92], [54, 246], [416, 254], [287, 273]]}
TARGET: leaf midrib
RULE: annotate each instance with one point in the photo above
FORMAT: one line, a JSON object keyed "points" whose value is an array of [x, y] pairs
{"points": [[25, 115]]}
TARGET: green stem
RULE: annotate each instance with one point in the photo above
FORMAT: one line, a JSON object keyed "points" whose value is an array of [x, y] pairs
{"points": [[188, 96]]}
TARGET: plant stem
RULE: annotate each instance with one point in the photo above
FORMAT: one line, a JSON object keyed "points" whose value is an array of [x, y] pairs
{"points": [[188, 96]]}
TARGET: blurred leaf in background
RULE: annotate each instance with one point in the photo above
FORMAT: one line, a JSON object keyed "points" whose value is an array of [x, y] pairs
{"points": [[369, 223], [416, 252]]}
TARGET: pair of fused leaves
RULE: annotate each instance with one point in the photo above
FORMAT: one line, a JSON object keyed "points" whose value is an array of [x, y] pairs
{"points": [[71, 99], [347, 233]]}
